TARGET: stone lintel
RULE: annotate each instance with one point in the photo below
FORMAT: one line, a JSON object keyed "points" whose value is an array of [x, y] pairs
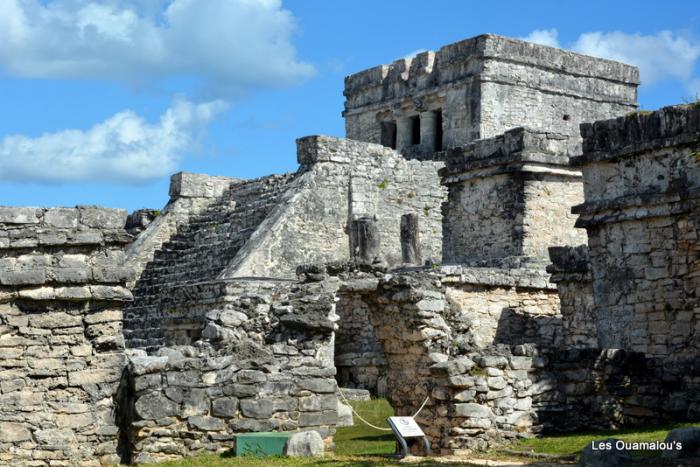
{"points": [[517, 150], [531, 278], [636, 207]]}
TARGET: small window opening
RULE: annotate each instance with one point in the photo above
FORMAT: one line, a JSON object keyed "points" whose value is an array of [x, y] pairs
{"points": [[438, 130], [389, 134], [415, 130], [566, 117]]}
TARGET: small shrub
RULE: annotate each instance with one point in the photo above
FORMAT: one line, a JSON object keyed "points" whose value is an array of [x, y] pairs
{"points": [[383, 185], [639, 112]]}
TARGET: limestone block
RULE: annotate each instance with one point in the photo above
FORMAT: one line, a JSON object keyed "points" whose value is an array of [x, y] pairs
{"points": [[206, 423], [22, 215], [154, 406], [304, 444], [14, 432], [102, 218], [224, 407], [472, 410], [345, 417], [61, 217]]}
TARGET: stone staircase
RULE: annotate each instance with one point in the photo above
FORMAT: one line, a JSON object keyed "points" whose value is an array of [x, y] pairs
{"points": [[199, 251]]}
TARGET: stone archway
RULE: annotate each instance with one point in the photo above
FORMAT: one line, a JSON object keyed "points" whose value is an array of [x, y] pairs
{"points": [[400, 320]]}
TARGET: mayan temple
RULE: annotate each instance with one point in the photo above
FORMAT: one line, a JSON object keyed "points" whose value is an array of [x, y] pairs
{"points": [[501, 233]]}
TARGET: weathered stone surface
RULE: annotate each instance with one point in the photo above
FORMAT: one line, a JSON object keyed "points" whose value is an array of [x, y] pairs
{"points": [[472, 410], [304, 444], [344, 415], [225, 407], [206, 423], [154, 406], [19, 215], [14, 432]]}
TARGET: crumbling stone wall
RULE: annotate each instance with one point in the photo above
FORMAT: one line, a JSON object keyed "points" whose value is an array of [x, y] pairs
{"points": [[62, 290], [482, 87], [264, 363], [641, 179], [509, 196]]}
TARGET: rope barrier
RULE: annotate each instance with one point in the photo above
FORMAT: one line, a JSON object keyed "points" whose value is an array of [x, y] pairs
{"points": [[375, 426], [360, 416], [421, 407]]}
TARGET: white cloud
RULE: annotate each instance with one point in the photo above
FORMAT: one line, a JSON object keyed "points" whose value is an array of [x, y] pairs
{"points": [[543, 36], [227, 45], [659, 56], [124, 148]]}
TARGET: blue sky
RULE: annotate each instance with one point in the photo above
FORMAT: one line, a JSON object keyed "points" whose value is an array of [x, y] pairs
{"points": [[104, 99]]}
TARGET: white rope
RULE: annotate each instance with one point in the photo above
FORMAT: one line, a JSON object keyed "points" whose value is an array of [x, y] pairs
{"points": [[375, 426], [421, 407], [360, 416]]}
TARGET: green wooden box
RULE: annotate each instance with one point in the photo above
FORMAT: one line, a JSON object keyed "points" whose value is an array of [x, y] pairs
{"points": [[261, 444]]}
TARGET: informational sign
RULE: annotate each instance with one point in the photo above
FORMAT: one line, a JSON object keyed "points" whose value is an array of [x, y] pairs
{"points": [[406, 426]]}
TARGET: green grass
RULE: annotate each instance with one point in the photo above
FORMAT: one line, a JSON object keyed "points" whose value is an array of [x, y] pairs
{"points": [[363, 446], [361, 439], [573, 443]]}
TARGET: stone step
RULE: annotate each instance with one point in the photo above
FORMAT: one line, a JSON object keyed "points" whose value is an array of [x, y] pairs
{"points": [[200, 250]]}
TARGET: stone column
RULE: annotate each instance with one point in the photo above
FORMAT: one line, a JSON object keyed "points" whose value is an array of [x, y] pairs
{"points": [[409, 239], [428, 131], [404, 130], [364, 239]]}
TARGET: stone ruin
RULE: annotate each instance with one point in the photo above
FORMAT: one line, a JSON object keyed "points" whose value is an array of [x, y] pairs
{"points": [[502, 232]]}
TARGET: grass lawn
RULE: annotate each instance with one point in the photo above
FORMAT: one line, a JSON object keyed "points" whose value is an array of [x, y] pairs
{"points": [[363, 446]]}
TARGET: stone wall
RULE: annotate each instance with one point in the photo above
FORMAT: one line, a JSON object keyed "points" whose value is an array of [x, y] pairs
{"points": [[571, 273], [484, 315], [62, 278], [359, 358], [641, 182], [509, 196], [612, 388], [484, 86], [264, 363]]}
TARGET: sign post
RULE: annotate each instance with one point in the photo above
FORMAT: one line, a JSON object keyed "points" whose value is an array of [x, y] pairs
{"points": [[406, 427]]}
